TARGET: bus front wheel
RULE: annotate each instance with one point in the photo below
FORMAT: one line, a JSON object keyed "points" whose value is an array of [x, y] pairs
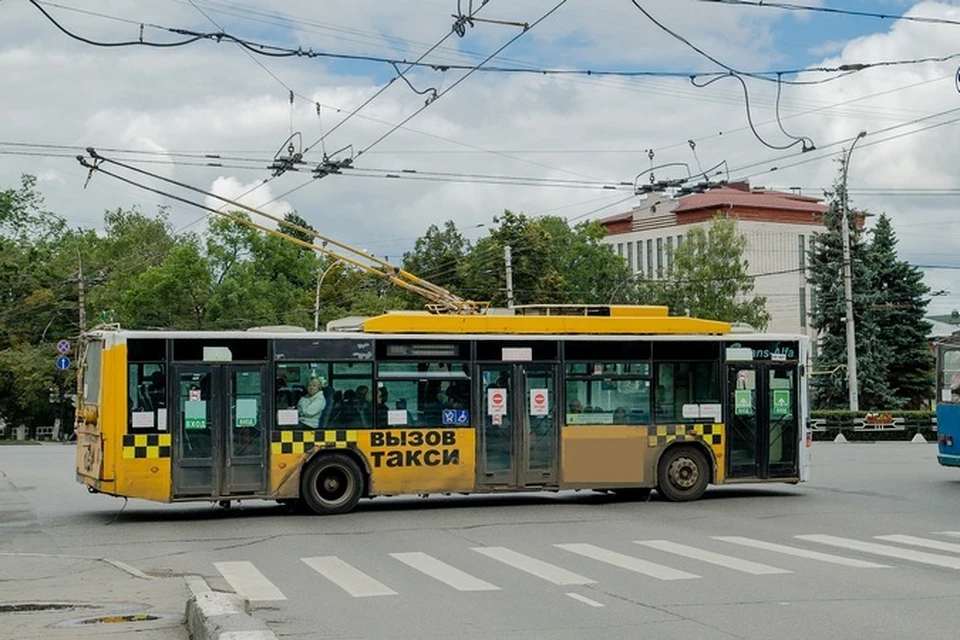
{"points": [[682, 474], [333, 483]]}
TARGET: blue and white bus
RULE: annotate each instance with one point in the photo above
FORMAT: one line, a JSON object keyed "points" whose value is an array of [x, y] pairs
{"points": [[948, 403]]}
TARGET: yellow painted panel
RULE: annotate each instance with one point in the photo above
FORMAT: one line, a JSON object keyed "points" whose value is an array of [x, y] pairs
{"points": [[605, 455], [613, 325], [113, 407], [649, 311], [420, 460], [147, 478], [400, 461]]}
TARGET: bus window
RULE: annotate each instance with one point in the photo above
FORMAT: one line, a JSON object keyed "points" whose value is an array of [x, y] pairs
{"points": [[424, 394], [950, 380], [608, 393], [684, 383], [147, 397], [91, 372], [317, 395]]}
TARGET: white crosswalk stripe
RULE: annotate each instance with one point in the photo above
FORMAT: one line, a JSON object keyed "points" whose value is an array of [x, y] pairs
{"points": [[922, 542], [439, 570], [730, 562], [888, 551], [629, 563], [352, 580], [585, 600], [801, 553], [539, 568], [248, 582], [954, 534]]}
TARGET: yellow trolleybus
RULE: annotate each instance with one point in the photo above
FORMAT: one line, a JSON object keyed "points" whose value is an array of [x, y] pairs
{"points": [[618, 398]]}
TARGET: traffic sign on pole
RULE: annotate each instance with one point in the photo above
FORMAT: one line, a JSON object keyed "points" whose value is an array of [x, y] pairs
{"points": [[63, 363], [63, 346]]}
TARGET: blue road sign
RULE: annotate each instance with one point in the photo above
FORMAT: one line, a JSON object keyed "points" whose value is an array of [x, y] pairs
{"points": [[449, 416], [63, 363], [63, 346], [463, 416]]}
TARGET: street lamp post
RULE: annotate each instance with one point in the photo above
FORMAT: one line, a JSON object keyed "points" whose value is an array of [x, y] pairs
{"points": [[852, 385], [316, 303]]}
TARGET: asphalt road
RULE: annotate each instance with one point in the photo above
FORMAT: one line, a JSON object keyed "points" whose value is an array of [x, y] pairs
{"points": [[744, 562]]}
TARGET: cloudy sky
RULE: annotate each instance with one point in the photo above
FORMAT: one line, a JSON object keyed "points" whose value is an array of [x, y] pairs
{"points": [[537, 143]]}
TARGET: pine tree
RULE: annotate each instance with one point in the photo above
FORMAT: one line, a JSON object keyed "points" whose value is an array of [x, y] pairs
{"points": [[901, 304], [829, 312]]}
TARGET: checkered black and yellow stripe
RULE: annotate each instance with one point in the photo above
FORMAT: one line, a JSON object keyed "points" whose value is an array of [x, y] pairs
{"points": [[145, 446], [711, 434], [302, 441]]}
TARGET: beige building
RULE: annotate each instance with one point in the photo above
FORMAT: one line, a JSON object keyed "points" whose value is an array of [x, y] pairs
{"points": [[779, 228]]}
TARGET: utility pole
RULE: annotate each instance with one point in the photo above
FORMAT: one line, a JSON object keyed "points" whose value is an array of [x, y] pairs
{"points": [[316, 302], [82, 298], [506, 258], [852, 385]]}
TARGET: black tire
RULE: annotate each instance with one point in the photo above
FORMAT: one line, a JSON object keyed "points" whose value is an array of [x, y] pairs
{"points": [[682, 474], [332, 483], [632, 495]]}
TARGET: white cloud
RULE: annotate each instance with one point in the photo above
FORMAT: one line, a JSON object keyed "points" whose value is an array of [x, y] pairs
{"points": [[212, 98]]}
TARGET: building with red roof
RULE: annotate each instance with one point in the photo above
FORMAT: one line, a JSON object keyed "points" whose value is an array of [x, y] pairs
{"points": [[779, 227]]}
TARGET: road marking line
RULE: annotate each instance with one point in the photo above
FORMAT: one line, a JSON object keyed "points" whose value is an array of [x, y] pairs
{"points": [[800, 553], [539, 568], [629, 563], [352, 580], [955, 534], [730, 562], [459, 580], [922, 542], [248, 582], [886, 550], [584, 599]]}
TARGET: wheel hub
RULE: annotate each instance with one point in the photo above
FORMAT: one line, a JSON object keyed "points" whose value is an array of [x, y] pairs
{"points": [[683, 473]]}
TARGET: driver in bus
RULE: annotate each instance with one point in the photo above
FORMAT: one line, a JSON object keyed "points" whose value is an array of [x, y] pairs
{"points": [[312, 404]]}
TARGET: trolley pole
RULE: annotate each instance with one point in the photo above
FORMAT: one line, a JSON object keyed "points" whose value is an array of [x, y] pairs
{"points": [[509, 264], [852, 384]]}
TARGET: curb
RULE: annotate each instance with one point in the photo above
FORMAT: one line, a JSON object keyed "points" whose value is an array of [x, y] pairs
{"points": [[221, 616]]}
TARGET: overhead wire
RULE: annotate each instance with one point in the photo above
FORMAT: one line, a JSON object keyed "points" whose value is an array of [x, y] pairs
{"points": [[789, 6], [459, 80]]}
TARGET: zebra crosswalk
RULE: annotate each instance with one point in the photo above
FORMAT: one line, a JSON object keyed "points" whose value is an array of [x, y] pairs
{"points": [[652, 559]]}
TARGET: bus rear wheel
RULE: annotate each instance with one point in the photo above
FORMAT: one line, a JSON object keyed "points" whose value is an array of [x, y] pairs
{"points": [[332, 483], [682, 474]]}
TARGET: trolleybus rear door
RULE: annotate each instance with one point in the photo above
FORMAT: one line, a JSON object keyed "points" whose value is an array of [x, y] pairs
{"points": [[244, 464], [195, 416], [220, 437]]}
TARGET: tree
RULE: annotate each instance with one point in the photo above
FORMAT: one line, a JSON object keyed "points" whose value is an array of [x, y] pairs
{"points": [[437, 255], [709, 277], [830, 391], [900, 305], [552, 263]]}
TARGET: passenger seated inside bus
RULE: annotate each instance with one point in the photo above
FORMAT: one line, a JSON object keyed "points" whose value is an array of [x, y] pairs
{"points": [[313, 404], [382, 410]]}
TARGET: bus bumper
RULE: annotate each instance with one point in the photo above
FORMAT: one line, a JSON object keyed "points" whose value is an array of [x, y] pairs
{"points": [[949, 460]]}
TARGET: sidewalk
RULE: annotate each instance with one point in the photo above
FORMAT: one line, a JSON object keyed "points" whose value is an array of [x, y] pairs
{"points": [[59, 596]]}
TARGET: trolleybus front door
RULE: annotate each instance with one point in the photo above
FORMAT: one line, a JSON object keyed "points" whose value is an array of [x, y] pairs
{"points": [[762, 421], [220, 431], [519, 438]]}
